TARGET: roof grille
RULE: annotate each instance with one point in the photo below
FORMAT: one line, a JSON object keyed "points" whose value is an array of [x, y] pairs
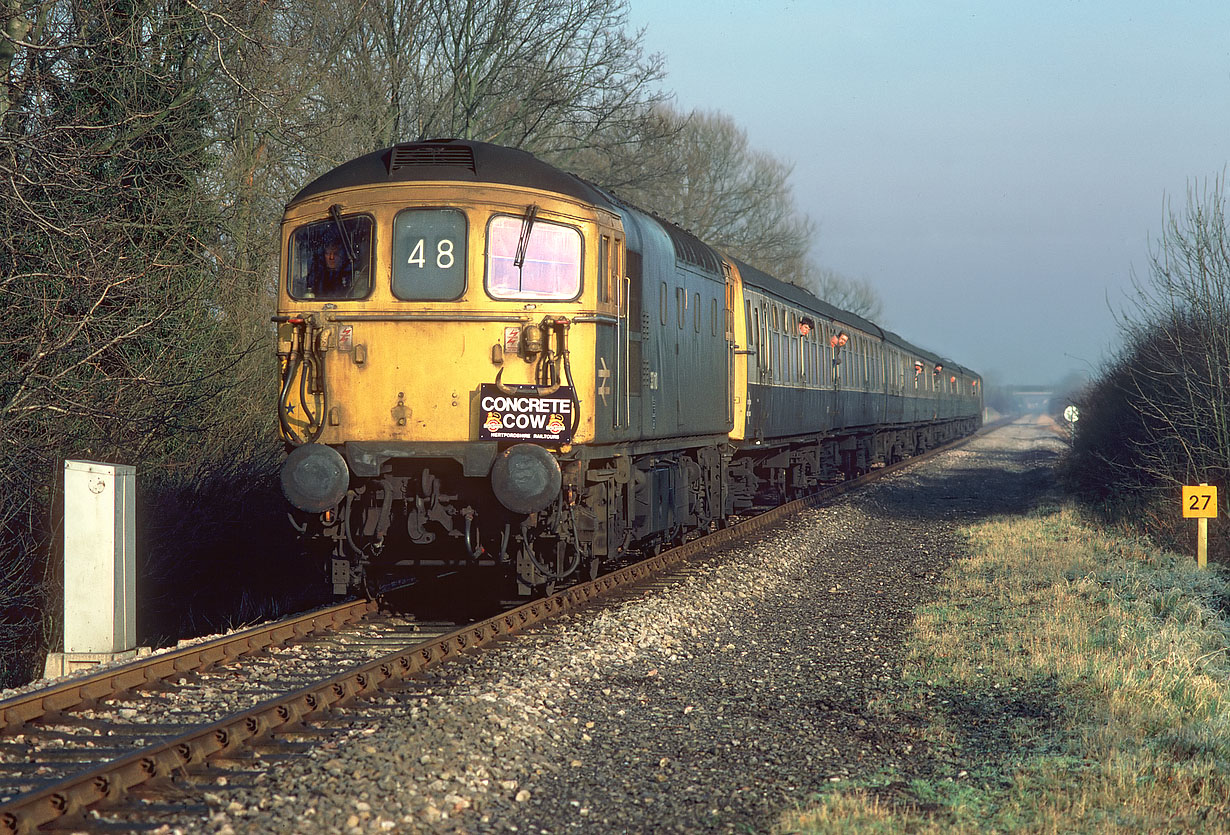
{"points": [[690, 249], [404, 156]]}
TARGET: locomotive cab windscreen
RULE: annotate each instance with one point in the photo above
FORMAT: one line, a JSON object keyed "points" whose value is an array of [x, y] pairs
{"points": [[532, 259], [331, 259]]}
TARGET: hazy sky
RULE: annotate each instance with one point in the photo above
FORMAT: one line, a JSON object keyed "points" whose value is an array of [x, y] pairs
{"points": [[997, 170]]}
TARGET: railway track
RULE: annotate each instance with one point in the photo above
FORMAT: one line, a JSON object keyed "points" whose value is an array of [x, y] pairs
{"points": [[237, 702]]}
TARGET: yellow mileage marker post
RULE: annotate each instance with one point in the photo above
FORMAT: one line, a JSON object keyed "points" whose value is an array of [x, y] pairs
{"points": [[1200, 503]]}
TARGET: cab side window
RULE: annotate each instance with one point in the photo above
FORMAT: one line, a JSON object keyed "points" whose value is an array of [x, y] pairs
{"points": [[330, 259]]}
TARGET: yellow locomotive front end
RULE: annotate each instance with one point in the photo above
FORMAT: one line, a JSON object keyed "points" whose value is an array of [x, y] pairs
{"points": [[436, 340], [405, 344]]}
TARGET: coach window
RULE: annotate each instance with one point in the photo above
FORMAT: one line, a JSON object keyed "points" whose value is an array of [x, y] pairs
{"points": [[617, 292], [753, 336], [696, 312], [775, 338], [766, 341], [787, 353], [330, 259], [604, 269], [662, 300], [429, 247], [728, 311], [801, 352], [781, 350], [801, 349], [681, 304], [617, 274], [713, 316], [766, 336], [833, 354], [766, 330], [796, 367], [762, 339], [530, 258]]}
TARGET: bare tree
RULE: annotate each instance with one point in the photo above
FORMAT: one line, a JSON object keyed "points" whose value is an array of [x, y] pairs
{"points": [[709, 180], [856, 295], [120, 343], [551, 76], [1182, 327], [1159, 415]]}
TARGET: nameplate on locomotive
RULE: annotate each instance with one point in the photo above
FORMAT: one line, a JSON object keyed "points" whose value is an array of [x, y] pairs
{"points": [[524, 415]]}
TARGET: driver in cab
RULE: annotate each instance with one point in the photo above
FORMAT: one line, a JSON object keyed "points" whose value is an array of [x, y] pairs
{"points": [[331, 272]]}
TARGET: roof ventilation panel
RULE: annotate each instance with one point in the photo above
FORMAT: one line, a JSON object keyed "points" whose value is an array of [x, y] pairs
{"points": [[404, 156]]}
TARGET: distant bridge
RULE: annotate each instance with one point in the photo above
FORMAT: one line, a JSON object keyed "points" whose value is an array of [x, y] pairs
{"points": [[1031, 398]]}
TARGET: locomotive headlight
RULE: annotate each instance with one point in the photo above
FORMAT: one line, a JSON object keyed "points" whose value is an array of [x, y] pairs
{"points": [[315, 478], [525, 478]]}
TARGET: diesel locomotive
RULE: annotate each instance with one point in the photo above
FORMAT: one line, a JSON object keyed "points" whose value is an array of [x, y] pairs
{"points": [[488, 362]]}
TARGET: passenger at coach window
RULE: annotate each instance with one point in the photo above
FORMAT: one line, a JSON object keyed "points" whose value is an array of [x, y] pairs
{"points": [[331, 272]]}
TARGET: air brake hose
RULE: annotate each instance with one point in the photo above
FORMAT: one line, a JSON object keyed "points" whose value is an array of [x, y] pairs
{"points": [[527, 548], [294, 360], [306, 363], [315, 366], [292, 364]]}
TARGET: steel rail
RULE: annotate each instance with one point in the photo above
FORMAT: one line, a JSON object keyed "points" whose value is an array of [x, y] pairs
{"points": [[108, 782], [84, 690]]}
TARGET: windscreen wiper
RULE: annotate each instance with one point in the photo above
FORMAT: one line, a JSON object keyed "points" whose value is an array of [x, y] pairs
{"points": [[523, 243], [335, 212]]}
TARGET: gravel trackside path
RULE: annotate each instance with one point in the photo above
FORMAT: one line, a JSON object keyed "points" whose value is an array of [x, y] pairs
{"points": [[707, 704]]}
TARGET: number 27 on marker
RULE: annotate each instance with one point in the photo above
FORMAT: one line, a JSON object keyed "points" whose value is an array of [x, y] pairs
{"points": [[1200, 501]]}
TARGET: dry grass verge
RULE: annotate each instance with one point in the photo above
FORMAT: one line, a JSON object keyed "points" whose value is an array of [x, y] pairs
{"points": [[1066, 679]]}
